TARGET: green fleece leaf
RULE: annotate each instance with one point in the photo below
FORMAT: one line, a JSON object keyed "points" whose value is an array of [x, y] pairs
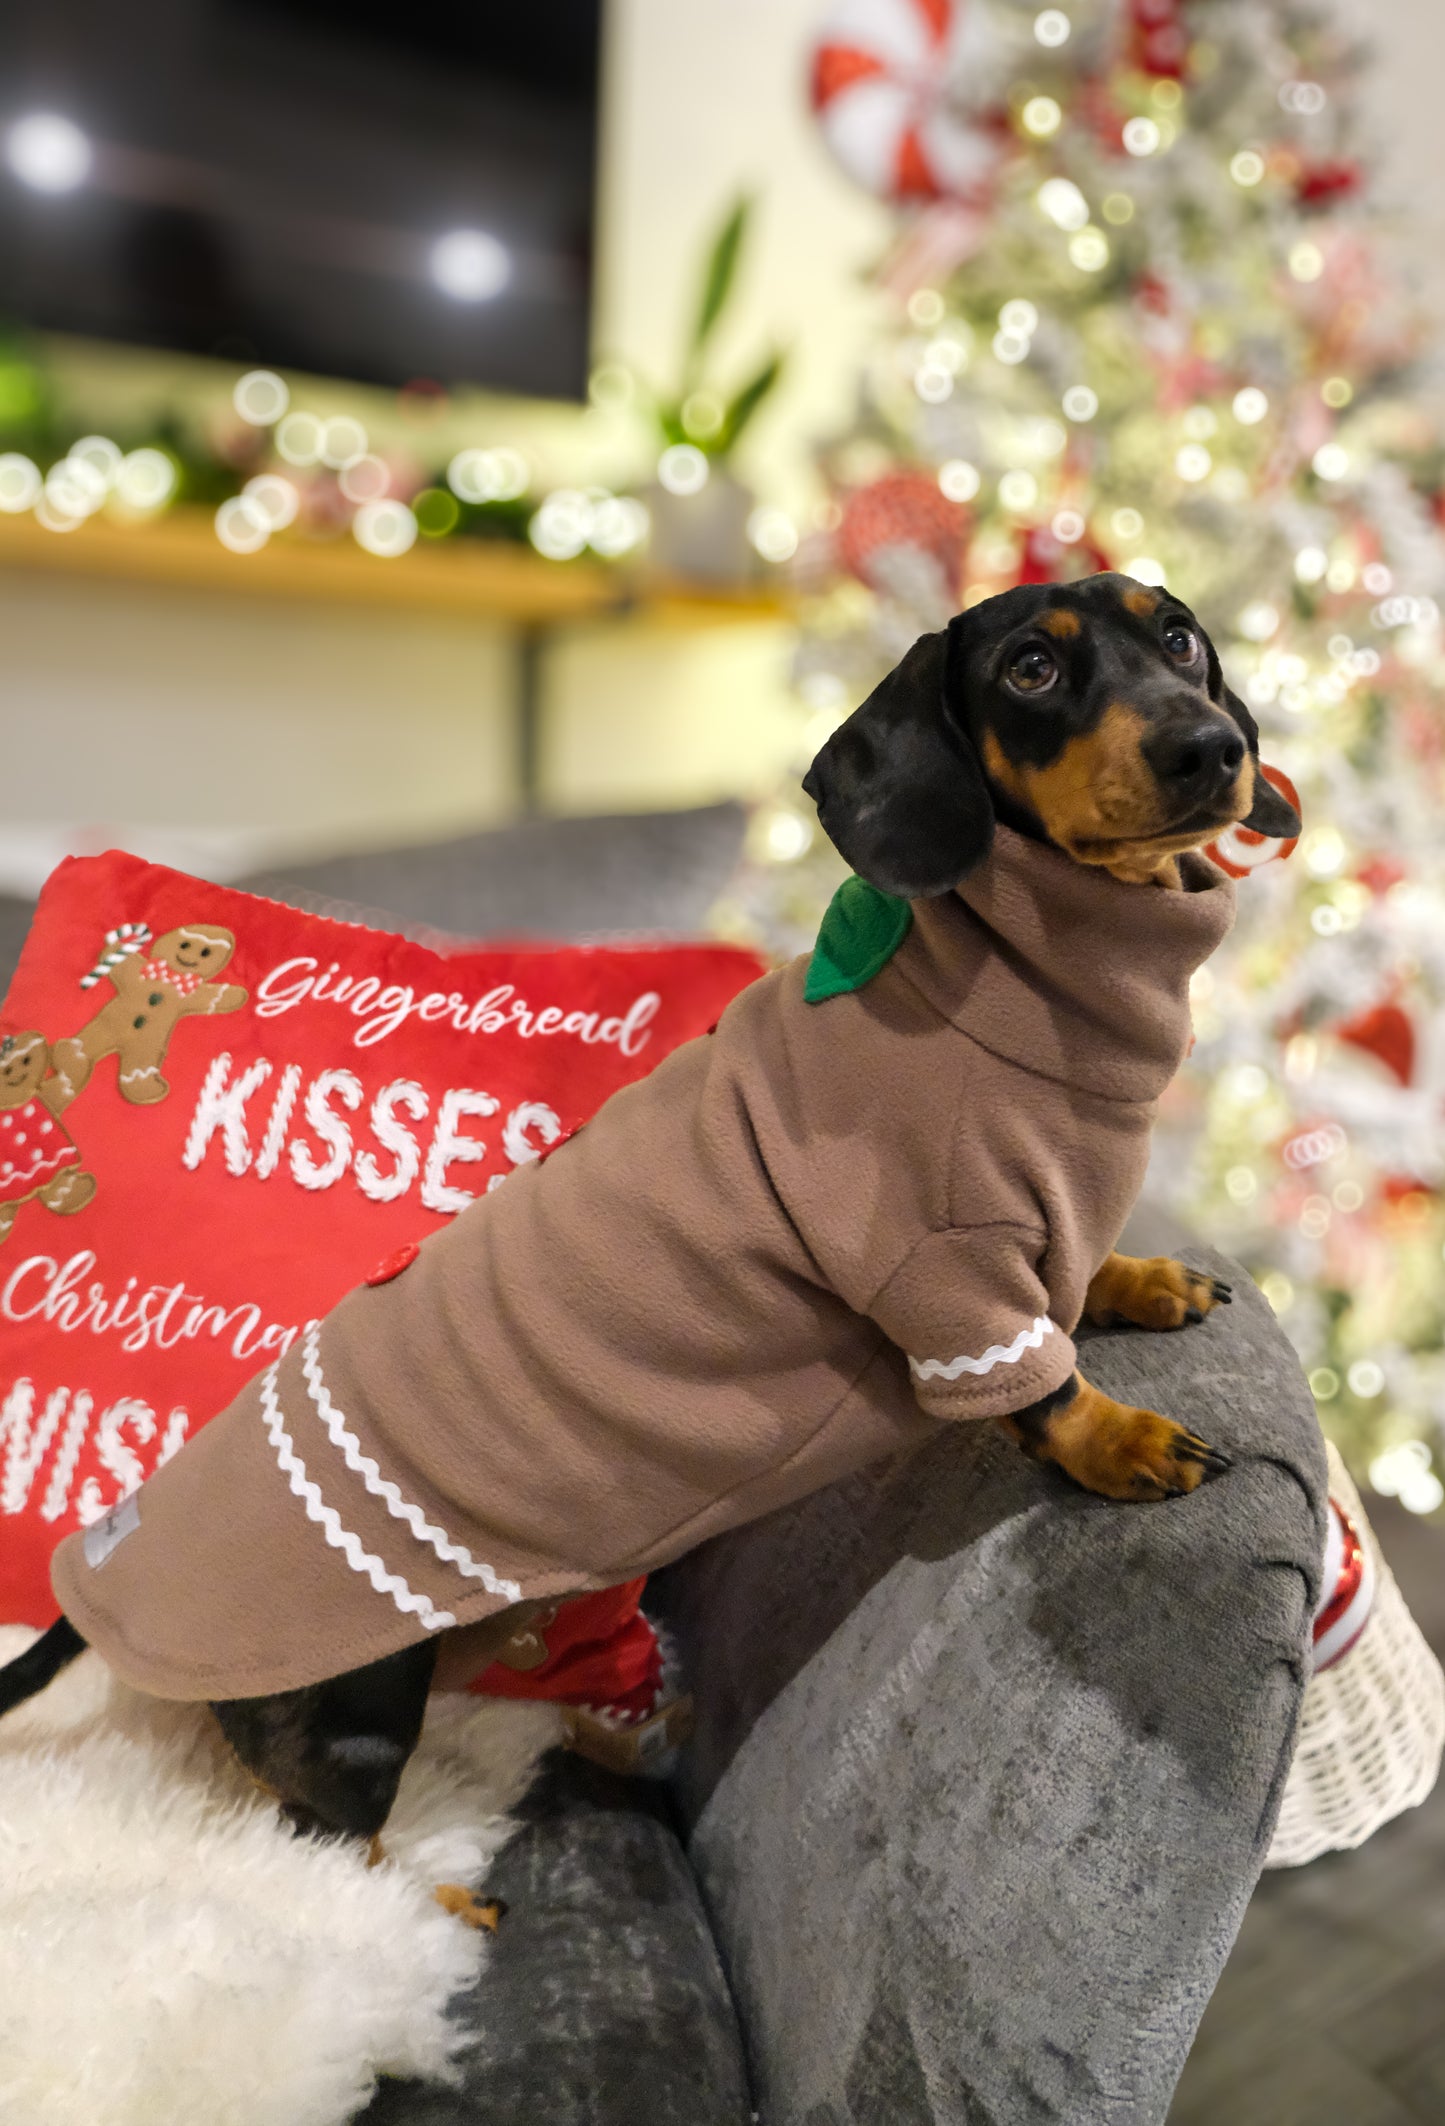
{"points": [[861, 931]]}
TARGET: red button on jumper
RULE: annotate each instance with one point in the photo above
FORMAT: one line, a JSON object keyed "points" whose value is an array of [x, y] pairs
{"points": [[393, 1265]]}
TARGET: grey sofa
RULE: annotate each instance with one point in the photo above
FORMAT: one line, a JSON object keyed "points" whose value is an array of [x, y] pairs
{"points": [[984, 1774], [985, 1768]]}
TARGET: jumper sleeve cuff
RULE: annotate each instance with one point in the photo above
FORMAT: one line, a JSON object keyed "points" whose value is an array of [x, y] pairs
{"points": [[999, 1380], [974, 1317]]}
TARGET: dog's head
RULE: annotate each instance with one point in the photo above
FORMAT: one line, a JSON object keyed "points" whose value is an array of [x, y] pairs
{"points": [[1093, 715]]}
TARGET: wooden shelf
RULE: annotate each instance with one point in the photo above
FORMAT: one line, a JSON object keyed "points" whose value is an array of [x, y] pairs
{"points": [[468, 577]]}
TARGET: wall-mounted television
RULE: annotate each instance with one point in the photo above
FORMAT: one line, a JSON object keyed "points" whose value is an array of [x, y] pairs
{"points": [[363, 188]]}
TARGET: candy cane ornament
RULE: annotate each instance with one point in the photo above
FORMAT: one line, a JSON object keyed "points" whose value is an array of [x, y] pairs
{"points": [[881, 78], [1347, 1591], [1239, 849]]}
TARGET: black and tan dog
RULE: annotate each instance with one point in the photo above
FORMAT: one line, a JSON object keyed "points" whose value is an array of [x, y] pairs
{"points": [[1097, 718], [1093, 718]]}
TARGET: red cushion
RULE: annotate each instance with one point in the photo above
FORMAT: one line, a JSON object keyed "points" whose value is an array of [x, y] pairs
{"points": [[219, 1114]]}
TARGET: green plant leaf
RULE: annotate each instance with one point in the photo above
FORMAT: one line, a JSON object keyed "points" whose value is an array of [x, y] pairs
{"points": [[718, 278], [746, 404]]}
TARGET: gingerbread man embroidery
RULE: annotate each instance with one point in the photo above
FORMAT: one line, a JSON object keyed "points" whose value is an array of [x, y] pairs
{"points": [[155, 987], [37, 1154]]}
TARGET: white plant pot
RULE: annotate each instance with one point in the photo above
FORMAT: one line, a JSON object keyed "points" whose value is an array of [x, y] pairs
{"points": [[703, 536]]}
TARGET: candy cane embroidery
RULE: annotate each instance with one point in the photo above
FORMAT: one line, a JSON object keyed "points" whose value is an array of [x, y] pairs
{"points": [[120, 943]]}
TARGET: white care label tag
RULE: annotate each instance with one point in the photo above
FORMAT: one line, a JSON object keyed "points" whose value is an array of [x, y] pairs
{"points": [[99, 1541]]}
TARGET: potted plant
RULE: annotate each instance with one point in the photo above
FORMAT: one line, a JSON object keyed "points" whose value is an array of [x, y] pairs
{"points": [[699, 509]]}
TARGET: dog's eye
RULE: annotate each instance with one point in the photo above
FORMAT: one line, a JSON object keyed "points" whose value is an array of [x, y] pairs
{"points": [[1032, 670], [1182, 643]]}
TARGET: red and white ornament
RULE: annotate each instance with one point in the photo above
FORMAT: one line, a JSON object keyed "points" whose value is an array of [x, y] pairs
{"points": [[1347, 1591], [1385, 1031], [903, 509], [883, 72], [1239, 850]]}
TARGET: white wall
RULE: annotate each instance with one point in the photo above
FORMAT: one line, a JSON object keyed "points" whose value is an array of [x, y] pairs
{"points": [[1406, 41], [217, 732], [331, 727]]}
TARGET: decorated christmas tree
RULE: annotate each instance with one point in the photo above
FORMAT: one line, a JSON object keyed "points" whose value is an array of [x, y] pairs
{"points": [[1141, 321]]}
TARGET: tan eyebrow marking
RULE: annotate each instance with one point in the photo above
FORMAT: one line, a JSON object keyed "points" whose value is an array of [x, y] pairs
{"points": [[1059, 622], [1143, 602]]}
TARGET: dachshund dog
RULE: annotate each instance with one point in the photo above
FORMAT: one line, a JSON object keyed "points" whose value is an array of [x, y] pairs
{"points": [[1097, 718], [1092, 719]]}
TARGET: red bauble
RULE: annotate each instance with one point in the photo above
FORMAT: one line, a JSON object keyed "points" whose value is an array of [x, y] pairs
{"points": [[1379, 873], [1045, 558], [1319, 184], [901, 509], [1158, 42], [1385, 1032]]}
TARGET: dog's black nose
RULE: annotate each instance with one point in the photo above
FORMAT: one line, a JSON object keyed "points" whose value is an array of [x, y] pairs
{"points": [[1200, 759]]}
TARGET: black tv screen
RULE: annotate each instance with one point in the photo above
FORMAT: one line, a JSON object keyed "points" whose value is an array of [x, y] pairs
{"points": [[364, 188]]}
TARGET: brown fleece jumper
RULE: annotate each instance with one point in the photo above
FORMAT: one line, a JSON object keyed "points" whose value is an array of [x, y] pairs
{"points": [[787, 1253]]}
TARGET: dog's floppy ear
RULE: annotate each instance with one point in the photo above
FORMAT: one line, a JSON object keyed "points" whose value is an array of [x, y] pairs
{"points": [[1271, 813], [899, 788]]}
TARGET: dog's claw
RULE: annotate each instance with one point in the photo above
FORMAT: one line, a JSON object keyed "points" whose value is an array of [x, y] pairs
{"points": [[1194, 1314], [481, 1913], [1190, 1448]]}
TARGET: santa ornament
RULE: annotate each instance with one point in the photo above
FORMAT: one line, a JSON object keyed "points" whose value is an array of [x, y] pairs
{"points": [[1373, 1722], [883, 77], [1239, 850]]}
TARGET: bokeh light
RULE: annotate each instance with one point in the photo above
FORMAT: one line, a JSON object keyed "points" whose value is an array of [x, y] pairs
{"points": [[470, 265], [145, 479], [387, 528], [48, 153], [243, 525], [261, 397], [682, 469], [20, 483]]}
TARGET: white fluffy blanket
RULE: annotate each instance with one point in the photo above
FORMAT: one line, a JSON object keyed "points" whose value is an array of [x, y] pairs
{"points": [[170, 1954]]}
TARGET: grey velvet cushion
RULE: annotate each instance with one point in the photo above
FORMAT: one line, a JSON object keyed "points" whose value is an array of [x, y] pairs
{"points": [[603, 2002], [649, 874], [15, 915], [986, 1767]]}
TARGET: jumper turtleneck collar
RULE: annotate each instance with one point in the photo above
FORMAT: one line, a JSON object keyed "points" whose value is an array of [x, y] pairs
{"points": [[1063, 969]]}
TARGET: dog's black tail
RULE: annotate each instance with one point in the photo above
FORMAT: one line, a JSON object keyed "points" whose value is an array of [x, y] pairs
{"points": [[39, 1664]]}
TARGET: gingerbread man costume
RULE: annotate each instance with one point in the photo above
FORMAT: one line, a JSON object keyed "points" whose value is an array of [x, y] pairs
{"points": [[155, 986], [37, 1155]]}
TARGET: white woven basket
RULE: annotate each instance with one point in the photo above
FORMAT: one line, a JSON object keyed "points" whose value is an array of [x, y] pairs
{"points": [[1372, 1727]]}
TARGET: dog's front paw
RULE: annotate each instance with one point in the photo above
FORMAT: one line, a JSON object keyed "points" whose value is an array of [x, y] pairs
{"points": [[1112, 1448], [1137, 1454], [1153, 1293], [482, 1913]]}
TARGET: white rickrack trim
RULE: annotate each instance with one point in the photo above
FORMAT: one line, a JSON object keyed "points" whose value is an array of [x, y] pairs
{"points": [[995, 1355], [329, 1521], [382, 1488]]}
